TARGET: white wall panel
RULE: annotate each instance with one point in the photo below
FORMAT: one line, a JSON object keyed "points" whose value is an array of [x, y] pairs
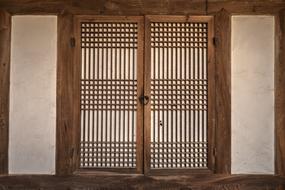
{"points": [[253, 94], [33, 95]]}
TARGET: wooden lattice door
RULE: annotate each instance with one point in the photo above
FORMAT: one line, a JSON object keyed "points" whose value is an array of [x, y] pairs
{"points": [[146, 93], [111, 82], [180, 82]]}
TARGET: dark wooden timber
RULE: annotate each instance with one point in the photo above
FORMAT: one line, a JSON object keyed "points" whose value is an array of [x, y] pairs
{"points": [[66, 149], [141, 7], [223, 91], [5, 31], [204, 182], [280, 95]]}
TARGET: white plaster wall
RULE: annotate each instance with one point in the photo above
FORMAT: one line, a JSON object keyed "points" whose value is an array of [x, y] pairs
{"points": [[253, 94], [33, 95]]}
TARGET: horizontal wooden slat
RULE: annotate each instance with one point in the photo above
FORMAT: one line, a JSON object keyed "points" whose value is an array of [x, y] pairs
{"points": [[140, 7]]}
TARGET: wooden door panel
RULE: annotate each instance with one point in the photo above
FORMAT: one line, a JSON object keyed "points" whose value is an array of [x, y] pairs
{"points": [[111, 81], [180, 73]]}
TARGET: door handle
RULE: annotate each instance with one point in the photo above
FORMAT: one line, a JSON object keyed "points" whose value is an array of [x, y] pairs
{"points": [[144, 99]]}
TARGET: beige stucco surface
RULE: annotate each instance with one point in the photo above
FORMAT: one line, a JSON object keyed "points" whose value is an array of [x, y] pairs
{"points": [[253, 94], [33, 95]]}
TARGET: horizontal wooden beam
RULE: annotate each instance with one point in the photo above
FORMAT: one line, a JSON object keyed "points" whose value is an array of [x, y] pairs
{"points": [[141, 7], [212, 182]]}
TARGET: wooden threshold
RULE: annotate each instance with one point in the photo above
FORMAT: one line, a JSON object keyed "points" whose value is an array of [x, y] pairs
{"points": [[202, 182]]}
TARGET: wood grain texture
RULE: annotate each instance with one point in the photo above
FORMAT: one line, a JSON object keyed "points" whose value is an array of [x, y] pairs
{"points": [[147, 92], [280, 95], [5, 41], [204, 182], [223, 91], [66, 150], [141, 7]]}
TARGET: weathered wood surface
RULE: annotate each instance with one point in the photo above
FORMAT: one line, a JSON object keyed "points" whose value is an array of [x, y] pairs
{"points": [[280, 95], [217, 182], [65, 135], [223, 91], [5, 25], [141, 7]]}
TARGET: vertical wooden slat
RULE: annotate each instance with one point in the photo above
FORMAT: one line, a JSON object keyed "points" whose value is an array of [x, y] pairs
{"points": [[5, 41], [98, 115], [171, 87], [280, 95], [66, 151], [93, 101], [185, 97], [147, 91], [223, 91], [101, 119], [158, 98], [111, 92], [128, 94], [88, 113], [153, 68], [124, 93], [167, 96], [133, 93], [116, 92], [175, 63], [162, 124], [120, 98], [140, 90], [212, 96]]}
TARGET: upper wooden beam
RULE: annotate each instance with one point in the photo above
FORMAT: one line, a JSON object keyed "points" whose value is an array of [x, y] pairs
{"points": [[247, 7], [141, 7], [223, 91], [5, 36]]}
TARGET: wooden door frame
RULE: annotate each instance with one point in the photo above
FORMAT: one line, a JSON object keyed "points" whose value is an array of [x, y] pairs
{"points": [[68, 163], [5, 47]]}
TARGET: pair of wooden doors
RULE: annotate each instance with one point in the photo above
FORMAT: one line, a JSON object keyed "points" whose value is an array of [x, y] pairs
{"points": [[146, 93]]}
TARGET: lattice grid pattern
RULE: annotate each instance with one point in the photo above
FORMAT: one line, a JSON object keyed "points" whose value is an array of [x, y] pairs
{"points": [[108, 94], [179, 95]]}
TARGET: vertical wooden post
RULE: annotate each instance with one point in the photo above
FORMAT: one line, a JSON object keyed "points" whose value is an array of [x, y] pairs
{"points": [[5, 41], [280, 95], [223, 91], [66, 150]]}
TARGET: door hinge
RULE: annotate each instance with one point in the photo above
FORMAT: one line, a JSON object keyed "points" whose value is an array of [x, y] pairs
{"points": [[72, 42], [215, 41]]}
